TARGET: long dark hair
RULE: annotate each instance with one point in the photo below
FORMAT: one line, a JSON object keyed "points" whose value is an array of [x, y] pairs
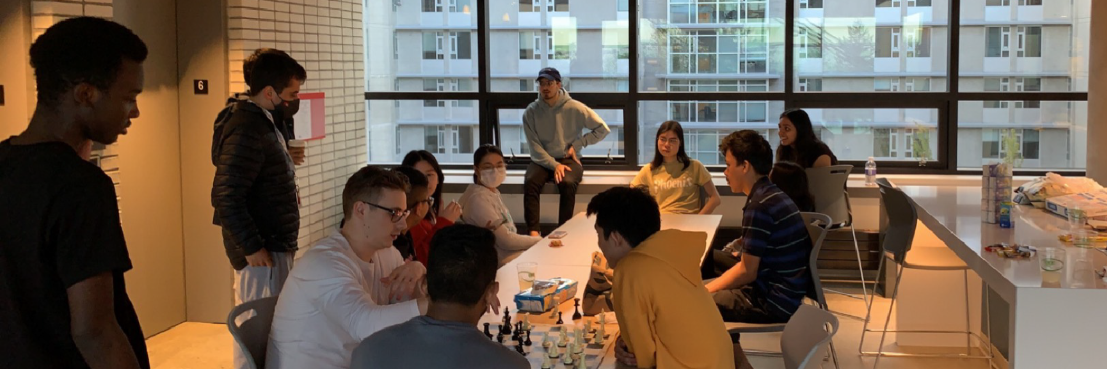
{"points": [[415, 156], [669, 126], [479, 155], [791, 178], [807, 147]]}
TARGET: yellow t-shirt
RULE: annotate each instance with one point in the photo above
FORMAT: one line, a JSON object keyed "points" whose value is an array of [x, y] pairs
{"points": [[676, 189]]}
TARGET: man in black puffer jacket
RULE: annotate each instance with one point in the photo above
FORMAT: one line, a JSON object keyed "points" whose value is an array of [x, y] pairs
{"points": [[254, 192]]}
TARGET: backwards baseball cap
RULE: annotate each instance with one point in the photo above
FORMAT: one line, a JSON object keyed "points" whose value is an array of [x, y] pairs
{"points": [[550, 74]]}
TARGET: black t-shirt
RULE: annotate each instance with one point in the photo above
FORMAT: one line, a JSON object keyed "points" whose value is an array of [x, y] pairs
{"points": [[59, 225]]}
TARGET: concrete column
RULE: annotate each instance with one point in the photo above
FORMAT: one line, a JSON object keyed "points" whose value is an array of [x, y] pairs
{"points": [[1097, 93]]}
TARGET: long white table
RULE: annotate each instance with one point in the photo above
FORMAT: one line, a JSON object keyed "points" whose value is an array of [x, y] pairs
{"points": [[573, 260], [1056, 319]]}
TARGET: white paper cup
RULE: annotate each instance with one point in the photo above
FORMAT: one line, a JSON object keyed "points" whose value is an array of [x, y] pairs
{"points": [[297, 143]]}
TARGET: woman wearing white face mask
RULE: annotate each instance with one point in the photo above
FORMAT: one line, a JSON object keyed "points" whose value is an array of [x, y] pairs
{"points": [[484, 207]]}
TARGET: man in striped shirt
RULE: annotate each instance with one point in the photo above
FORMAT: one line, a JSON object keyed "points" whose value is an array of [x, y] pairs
{"points": [[769, 281]]}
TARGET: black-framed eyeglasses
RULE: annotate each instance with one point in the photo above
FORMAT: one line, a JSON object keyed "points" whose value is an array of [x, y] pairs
{"points": [[397, 215]]}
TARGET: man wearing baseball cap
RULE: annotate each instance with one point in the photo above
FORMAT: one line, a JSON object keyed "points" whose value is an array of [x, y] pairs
{"points": [[553, 124]]}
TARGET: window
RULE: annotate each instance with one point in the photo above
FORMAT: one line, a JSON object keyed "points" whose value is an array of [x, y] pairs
{"points": [[996, 143], [435, 45], [887, 3], [709, 52], [529, 46], [530, 6], [998, 42], [432, 6], [527, 85], [811, 4], [1051, 141], [886, 84], [883, 143], [809, 42], [918, 3], [997, 85], [742, 111], [459, 6], [557, 5], [916, 84], [1029, 85], [998, 3], [431, 46], [1030, 2], [887, 42], [1029, 42], [810, 84], [918, 43], [460, 47]]}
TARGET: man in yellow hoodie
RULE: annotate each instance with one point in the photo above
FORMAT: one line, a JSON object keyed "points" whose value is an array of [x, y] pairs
{"points": [[666, 318]]}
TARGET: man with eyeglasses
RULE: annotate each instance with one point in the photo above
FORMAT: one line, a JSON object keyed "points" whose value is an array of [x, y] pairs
{"points": [[553, 124], [351, 284]]}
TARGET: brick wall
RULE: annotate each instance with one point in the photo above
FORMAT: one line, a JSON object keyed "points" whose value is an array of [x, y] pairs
{"points": [[326, 37]]}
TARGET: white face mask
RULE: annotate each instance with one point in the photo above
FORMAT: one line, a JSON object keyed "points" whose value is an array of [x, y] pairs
{"points": [[493, 177]]}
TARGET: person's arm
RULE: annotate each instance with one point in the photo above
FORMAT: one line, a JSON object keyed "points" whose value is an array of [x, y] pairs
{"points": [[755, 238], [598, 129], [237, 166], [342, 300], [822, 161], [713, 198], [538, 153], [642, 178], [743, 273], [93, 327], [636, 314]]}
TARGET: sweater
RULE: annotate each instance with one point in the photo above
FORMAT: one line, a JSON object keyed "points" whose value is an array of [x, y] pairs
{"points": [[483, 205], [552, 130]]}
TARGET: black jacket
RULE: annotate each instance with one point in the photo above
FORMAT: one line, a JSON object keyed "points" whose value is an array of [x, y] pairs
{"points": [[254, 192]]}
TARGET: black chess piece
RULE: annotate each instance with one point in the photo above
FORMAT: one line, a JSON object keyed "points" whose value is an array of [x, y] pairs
{"points": [[576, 310], [506, 328], [528, 342], [519, 348], [500, 338], [519, 327], [559, 321], [486, 331]]}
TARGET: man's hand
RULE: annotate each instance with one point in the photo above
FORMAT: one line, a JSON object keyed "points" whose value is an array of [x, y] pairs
{"points": [[259, 258], [559, 172], [572, 153], [404, 281], [298, 154], [452, 211], [622, 353]]}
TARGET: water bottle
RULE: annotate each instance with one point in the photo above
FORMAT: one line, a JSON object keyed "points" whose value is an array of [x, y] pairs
{"points": [[870, 172]]}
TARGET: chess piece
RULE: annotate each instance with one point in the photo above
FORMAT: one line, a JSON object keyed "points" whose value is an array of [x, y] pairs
{"points": [[486, 331], [528, 342], [554, 310], [519, 348], [579, 346], [600, 336], [552, 352], [588, 326], [576, 309], [559, 321], [500, 337], [546, 363], [563, 339], [603, 319], [581, 364], [506, 328], [519, 327], [526, 322], [567, 358]]}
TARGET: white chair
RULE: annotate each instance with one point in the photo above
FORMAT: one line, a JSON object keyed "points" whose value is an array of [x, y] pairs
{"points": [[808, 332], [828, 186], [816, 229], [252, 336], [899, 235]]}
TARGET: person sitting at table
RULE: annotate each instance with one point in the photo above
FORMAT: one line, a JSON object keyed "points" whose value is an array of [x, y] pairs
{"points": [[666, 318], [673, 178], [792, 180], [461, 282], [441, 215], [770, 279], [350, 284], [485, 208], [418, 200], [798, 143]]}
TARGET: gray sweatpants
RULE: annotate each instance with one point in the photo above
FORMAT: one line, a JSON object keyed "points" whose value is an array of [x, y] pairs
{"points": [[252, 283]]}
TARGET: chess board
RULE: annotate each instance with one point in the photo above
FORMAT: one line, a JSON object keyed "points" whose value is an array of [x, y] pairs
{"points": [[593, 354]]}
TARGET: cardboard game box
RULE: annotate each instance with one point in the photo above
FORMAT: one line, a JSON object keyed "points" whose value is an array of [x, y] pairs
{"points": [[540, 297]]}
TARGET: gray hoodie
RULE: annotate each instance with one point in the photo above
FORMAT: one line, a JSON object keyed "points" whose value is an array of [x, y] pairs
{"points": [[551, 130]]}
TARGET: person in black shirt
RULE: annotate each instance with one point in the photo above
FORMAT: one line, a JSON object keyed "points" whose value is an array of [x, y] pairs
{"points": [[799, 143], [418, 203], [63, 300]]}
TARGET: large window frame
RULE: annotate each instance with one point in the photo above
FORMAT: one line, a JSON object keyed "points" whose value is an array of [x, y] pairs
{"points": [[946, 102]]}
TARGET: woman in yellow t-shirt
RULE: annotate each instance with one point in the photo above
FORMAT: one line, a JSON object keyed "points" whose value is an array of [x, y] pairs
{"points": [[674, 179]]}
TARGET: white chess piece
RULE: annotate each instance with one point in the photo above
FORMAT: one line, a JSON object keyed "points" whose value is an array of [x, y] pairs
{"points": [[552, 351], [546, 363], [526, 322], [554, 309], [568, 357], [564, 339], [603, 319], [581, 364], [599, 336], [588, 326]]}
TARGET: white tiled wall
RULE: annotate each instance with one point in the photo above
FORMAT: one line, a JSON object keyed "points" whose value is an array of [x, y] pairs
{"points": [[325, 36]]}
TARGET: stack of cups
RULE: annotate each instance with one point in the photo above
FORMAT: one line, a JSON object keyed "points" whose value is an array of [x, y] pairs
{"points": [[996, 190]]}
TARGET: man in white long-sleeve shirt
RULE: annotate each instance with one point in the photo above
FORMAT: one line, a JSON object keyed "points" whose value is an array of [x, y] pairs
{"points": [[351, 284]]}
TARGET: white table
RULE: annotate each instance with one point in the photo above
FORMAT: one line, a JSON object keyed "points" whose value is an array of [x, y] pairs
{"points": [[573, 260], [1055, 322]]}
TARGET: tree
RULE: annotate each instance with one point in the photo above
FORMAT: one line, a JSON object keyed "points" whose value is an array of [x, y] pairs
{"points": [[852, 53]]}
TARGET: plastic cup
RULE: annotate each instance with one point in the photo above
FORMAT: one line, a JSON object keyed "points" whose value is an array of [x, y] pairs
{"points": [[527, 271], [1051, 259], [1083, 238]]}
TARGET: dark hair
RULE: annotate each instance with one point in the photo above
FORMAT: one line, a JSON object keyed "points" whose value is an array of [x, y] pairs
{"points": [[416, 156], [670, 126], [276, 70], [807, 146], [791, 178], [461, 265], [82, 50], [367, 184], [479, 155], [415, 179], [747, 145], [248, 64], [630, 211]]}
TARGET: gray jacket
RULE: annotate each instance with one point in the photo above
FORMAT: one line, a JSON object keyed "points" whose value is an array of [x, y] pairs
{"points": [[551, 130]]}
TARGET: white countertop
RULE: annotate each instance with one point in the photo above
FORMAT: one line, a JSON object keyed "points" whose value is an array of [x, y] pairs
{"points": [[953, 214]]}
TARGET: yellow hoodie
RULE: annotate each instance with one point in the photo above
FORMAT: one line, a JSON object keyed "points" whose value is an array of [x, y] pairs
{"points": [[666, 317]]}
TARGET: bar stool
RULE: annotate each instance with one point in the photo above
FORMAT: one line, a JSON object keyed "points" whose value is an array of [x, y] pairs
{"points": [[902, 220], [828, 186]]}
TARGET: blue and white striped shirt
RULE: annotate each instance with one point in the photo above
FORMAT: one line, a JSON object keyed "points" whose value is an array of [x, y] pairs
{"points": [[775, 232]]}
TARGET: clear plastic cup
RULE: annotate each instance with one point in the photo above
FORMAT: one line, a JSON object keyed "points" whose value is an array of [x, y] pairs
{"points": [[527, 271], [1051, 259]]}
